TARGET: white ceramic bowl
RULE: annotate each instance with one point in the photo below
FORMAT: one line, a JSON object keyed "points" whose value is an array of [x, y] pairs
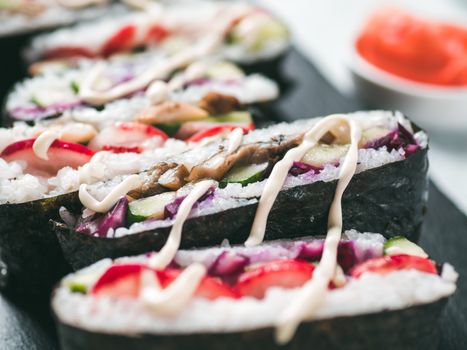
{"points": [[437, 109]]}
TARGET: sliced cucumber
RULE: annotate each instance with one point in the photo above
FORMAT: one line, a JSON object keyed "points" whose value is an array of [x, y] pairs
{"points": [[151, 207], [74, 86], [232, 117], [36, 101], [244, 175], [44, 98], [373, 133], [78, 288], [270, 29], [323, 154], [170, 128], [254, 32], [224, 70], [82, 282], [401, 245]]}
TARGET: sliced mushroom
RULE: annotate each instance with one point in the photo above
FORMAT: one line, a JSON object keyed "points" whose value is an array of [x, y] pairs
{"points": [[216, 103], [151, 186], [174, 178]]}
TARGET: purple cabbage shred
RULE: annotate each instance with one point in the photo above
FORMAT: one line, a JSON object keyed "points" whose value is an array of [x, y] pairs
{"points": [[99, 225], [299, 168], [396, 139], [38, 112], [228, 264], [346, 253], [171, 209]]}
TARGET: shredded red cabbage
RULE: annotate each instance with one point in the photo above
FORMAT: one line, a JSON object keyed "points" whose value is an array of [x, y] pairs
{"points": [[99, 225], [396, 139], [299, 168], [38, 112], [346, 253], [228, 264], [171, 209]]}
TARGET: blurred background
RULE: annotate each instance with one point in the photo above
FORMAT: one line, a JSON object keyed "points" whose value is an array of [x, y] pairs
{"points": [[325, 32]]}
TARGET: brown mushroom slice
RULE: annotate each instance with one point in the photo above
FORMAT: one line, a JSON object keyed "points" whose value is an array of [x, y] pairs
{"points": [[216, 103], [170, 112], [174, 178], [217, 166], [151, 185]]}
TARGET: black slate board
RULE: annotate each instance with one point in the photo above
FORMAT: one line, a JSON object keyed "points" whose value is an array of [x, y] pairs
{"points": [[29, 325]]}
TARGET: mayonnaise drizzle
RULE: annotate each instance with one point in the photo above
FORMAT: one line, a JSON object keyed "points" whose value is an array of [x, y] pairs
{"points": [[43, 142], [168, 251], [157, 92], [279, 172], [314, 291], [130, 183], [235, 140], [171, 300], [161, 68]]}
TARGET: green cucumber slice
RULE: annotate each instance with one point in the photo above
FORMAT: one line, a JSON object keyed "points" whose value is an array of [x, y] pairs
{"points": [[78, 288], [82, 282], [244, 175], [268, 29], [36, 101], [232, 117], [150, 207], [324, 154], [401, 245], [271, 29], [170, 129], [74, 86], [44, 98], [224, 70]]}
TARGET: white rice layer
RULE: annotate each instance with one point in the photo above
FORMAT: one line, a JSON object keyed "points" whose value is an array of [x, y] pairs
{"points": [[370, 293], [17, 187]]}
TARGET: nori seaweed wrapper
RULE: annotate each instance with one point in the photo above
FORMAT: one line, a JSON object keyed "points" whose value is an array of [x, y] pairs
{"points": [[411, 328], [28, 248], [390, 199]]}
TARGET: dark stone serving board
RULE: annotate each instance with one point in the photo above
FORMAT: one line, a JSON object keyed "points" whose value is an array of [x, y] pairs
{"points": [[27, 324]]}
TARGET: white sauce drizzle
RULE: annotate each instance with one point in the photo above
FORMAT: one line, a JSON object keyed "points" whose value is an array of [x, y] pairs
{"points": [[43, 142], [161, 68], [279, 173], [171, 300], [168, 251], [235, 140], [339, 279], [157, 92], [112, 197], [313, 292]]}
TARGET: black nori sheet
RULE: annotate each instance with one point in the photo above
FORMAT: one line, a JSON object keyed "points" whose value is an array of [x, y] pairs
{"points": [[28, 248], [390, 200], [411, 328]]}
